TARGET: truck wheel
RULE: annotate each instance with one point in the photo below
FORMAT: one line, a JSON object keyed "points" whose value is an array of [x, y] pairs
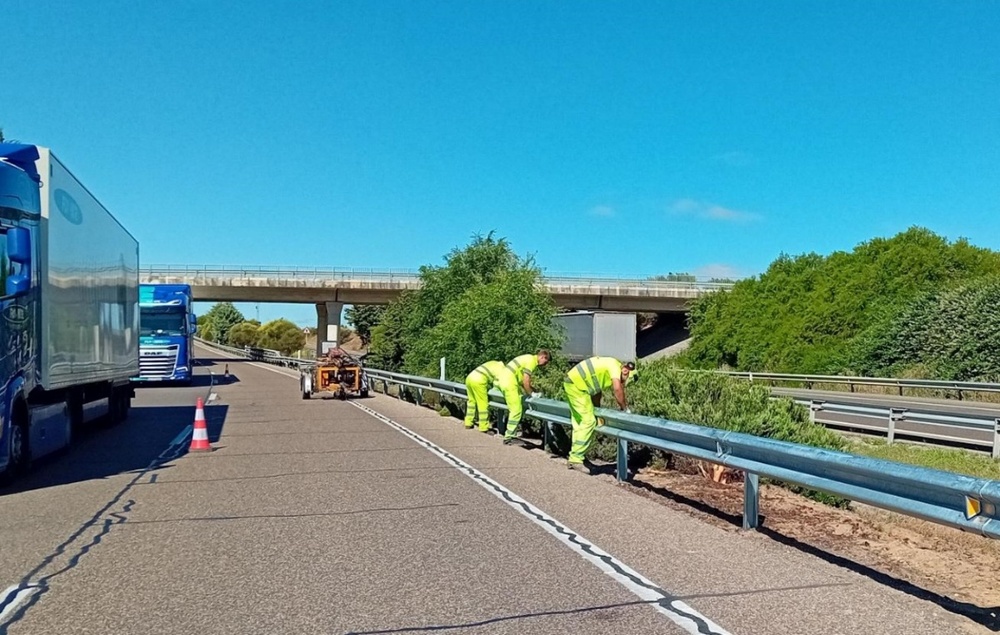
{"points": [[17, 451]]}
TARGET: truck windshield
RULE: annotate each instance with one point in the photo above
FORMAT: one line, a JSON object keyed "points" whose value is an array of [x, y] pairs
{"points": [[162, 321]]}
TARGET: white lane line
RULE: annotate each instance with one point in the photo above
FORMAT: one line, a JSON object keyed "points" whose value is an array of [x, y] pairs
{"points": [[12, 599], [674, 609]]}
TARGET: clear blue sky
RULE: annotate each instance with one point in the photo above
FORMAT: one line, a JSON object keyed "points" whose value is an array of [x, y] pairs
{"points": [[605, 137]]}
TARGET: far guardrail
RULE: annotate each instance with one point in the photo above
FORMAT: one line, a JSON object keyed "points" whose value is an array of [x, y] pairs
{"points": [[945, 498], [942, 428], [891, 382]]}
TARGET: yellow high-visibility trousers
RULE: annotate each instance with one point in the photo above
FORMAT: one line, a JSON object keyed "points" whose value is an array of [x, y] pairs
{"points": [[476, 386], [581, 410], [515, 407]]}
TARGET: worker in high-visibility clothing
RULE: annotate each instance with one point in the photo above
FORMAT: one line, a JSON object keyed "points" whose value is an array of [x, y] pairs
{"points": [[478, 383], [584, 385], [522, 366]]}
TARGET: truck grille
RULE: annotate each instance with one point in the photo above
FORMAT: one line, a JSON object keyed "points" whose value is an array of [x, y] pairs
{"points": [[157, 361]]}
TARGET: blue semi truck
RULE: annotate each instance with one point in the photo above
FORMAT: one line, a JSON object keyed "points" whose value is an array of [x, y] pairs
{"points": [[167, 325], [69, 308]]}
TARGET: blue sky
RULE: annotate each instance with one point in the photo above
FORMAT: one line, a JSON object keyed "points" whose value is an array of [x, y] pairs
{"points": [[619, 138]]}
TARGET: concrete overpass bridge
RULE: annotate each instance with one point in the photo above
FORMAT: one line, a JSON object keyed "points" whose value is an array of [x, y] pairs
{"points": [[331, 288]]}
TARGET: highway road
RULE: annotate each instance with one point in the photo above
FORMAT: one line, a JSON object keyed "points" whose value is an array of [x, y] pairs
{"points": [[378, 516], [980, 439]]}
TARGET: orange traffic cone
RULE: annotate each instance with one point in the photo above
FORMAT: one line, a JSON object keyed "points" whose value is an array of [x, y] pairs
{"points": [[199, 437]]}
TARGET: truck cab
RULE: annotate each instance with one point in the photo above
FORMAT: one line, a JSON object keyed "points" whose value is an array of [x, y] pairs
{"points": [[167, 326]]}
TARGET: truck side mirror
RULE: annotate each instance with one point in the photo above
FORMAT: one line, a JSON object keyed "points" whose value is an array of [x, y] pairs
{"points": [[19, 252], [19, 245]]}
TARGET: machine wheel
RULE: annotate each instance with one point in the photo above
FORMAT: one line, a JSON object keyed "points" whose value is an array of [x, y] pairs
{"points": [[305, 384]]}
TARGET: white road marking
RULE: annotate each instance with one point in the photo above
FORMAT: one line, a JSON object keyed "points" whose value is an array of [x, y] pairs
{"points": [[674, 609], [677, 611], [14, 597]]}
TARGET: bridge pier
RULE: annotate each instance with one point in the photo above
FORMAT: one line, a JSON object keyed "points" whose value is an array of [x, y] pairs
{"points": [[327, 325]]}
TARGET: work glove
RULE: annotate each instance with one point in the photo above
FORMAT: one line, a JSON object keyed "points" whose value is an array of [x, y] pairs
{"points": [[536, 395], [628, 411], [600, 421]]}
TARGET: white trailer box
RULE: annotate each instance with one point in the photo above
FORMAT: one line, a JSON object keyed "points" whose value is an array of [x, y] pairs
{"points": [[590, 333], [89, 272]]}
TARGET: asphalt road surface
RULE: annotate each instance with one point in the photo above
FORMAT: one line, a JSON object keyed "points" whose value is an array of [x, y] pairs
{"points": [[377, 516]]}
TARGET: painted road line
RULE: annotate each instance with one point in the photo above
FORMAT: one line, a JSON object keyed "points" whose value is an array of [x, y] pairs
{"points": [[677, 611], [14, 597]]}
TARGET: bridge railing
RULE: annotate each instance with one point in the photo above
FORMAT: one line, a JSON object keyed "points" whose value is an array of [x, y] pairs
{"points": [[411, 275], [954, 500]]}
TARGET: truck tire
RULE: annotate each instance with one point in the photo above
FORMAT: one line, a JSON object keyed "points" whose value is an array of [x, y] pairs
{"points": [[18, 450]]}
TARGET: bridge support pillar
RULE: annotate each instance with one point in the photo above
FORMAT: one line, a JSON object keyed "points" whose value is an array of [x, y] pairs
{"points": [[327, 325]]}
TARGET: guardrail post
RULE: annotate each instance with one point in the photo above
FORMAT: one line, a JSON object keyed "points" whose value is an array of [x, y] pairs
{"points": [[751, 500], [996, 438], [851, 386], [815, 406], [895, 414], [622, 467], [546, 436], [420, 396]]}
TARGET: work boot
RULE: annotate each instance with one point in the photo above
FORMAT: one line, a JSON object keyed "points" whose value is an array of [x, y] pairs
{"points": [[579, 467], [512, 441]]}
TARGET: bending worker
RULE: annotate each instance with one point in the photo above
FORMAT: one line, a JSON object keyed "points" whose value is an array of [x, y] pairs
{"points": [[584, 385], [522, 366], [478, 384]]}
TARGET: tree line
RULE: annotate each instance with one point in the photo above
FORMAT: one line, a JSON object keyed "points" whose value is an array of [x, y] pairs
{"points": [[225, 324]]}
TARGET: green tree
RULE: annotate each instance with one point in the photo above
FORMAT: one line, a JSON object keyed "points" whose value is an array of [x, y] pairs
{"points": [[223, 316], [499, 320], [484, 303], [364, 318], [281, 335], [244, 334]]}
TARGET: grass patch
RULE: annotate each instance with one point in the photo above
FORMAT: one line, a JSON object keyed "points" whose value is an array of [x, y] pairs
{"points": [[946, 459]]}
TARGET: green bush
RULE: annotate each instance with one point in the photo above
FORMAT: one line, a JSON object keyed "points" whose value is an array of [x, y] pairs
{"points": [[804, 312]]}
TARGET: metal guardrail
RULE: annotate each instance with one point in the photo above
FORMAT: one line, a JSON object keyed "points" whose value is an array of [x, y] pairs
{"points": [[413, 276], [891, 415], [947, 424], [945, 498], [954, 500], [891, 382]]}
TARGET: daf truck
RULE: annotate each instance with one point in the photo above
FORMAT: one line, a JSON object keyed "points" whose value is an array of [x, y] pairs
{"points": [[167, 325], [69, 308]]}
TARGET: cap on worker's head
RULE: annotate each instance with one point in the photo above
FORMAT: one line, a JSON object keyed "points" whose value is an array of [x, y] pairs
{"points": [[633, 374]]}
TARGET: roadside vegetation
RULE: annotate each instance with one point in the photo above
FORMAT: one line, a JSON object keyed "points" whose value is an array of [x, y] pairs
{"points": [[914, 305], [484, 303], [224, 324]]}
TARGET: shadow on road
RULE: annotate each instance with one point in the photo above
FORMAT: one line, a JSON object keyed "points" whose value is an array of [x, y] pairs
{"points": [[129, 447]]}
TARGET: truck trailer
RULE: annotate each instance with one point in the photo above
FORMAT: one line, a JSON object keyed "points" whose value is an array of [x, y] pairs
{"points": [[69, 318], [605, 333], [167, 325]]}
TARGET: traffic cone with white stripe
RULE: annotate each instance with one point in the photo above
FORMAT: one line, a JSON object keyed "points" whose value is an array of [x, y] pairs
{"points": [[199, 436]]}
